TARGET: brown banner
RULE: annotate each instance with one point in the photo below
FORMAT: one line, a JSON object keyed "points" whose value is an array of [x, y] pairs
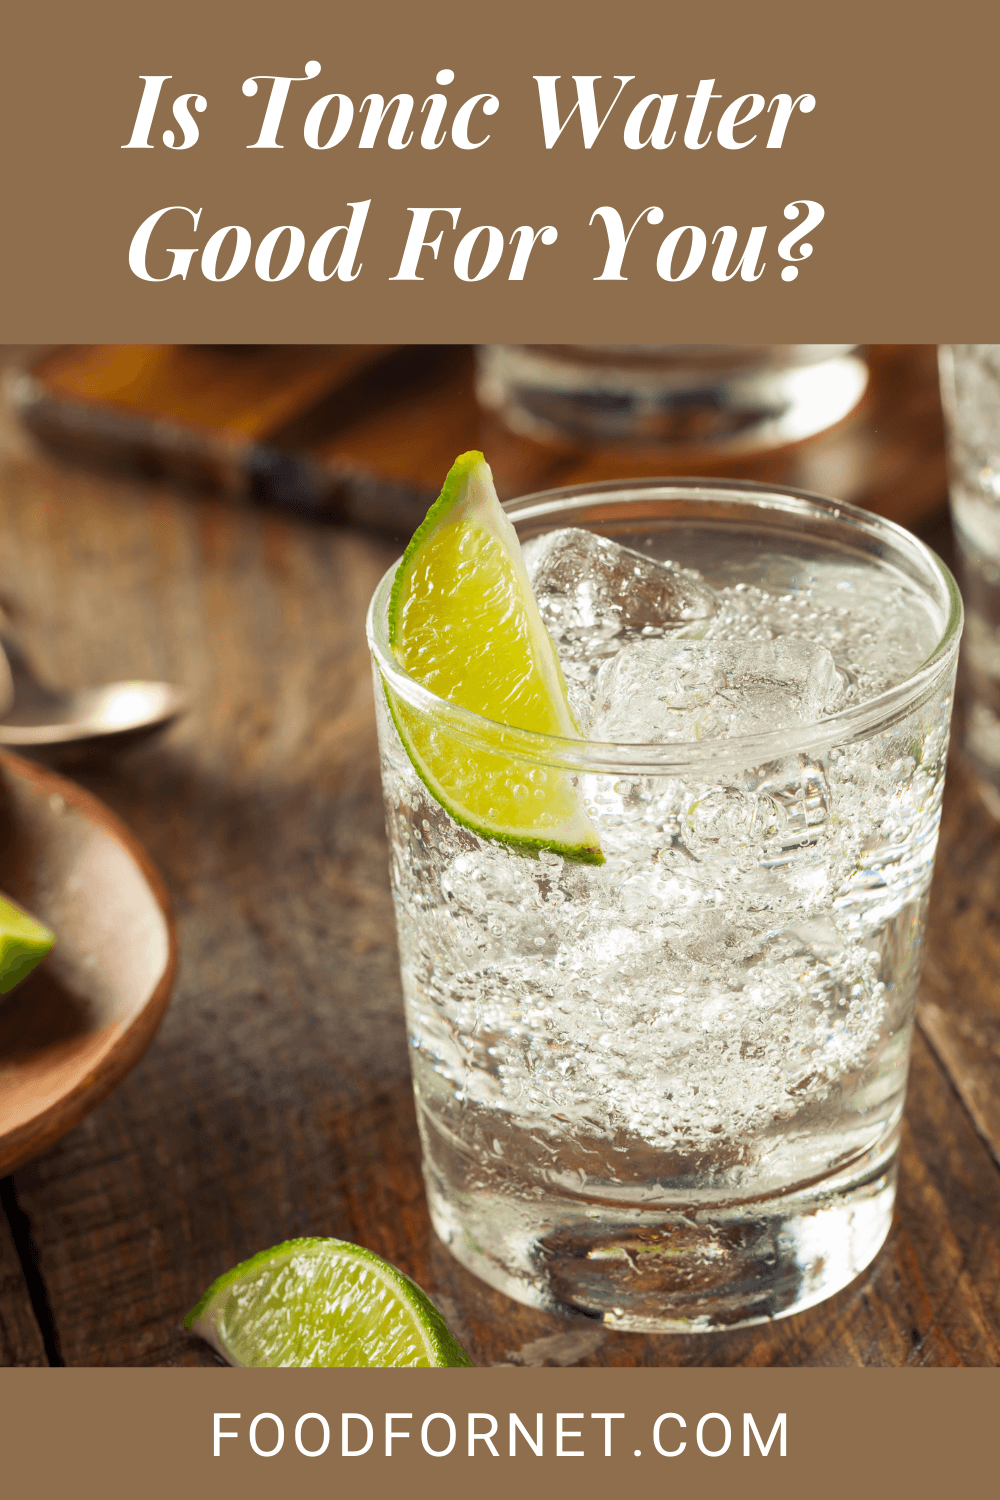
{"points": [[766, 1433], [637, 173]]}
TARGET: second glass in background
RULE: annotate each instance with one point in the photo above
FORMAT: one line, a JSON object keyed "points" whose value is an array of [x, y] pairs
{"points": [[970, 392], [656, 398]]}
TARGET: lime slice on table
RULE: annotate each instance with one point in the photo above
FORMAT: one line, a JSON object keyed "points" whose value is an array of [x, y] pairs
{"points": [[319, 1302], [24, 942], [464, 623]]}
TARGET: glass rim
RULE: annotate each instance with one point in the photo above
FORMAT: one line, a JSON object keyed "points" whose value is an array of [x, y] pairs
{"points": [[678, 757]]}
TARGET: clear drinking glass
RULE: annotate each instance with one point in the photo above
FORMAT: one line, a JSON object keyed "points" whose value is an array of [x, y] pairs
{"points": [[654, 398], [666, 1092], [970, 391]]}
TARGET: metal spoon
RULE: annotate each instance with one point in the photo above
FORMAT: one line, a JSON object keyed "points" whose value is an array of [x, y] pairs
{"points": [[33, 716]]}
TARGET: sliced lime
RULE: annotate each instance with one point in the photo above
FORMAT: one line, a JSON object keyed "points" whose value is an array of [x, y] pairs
{"points": [[24, 942], [464, 623], [320, 1302]]}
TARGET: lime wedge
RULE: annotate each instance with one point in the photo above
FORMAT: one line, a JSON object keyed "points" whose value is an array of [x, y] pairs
{"points": [[464, 623], [24, 942], [320, 1302]]}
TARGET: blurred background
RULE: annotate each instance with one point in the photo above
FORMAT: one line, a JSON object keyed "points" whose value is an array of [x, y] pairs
{"points": [[364, 434]]}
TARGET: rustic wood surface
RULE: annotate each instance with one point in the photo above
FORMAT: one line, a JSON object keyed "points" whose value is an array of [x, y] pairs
{"points": [[276, 1099], [21, 1340]]}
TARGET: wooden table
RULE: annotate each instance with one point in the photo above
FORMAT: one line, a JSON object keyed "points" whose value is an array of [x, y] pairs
{"points": [[276, 1100]]}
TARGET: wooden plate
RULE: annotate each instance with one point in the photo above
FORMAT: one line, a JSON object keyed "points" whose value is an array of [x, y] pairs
{"points": [[75, 1028]]}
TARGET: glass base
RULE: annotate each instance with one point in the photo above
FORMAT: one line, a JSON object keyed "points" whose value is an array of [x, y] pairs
{"points": [[698, 1268]]}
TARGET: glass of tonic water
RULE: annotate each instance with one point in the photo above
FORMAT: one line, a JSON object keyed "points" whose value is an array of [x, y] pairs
{"points": [[665, 1091]]}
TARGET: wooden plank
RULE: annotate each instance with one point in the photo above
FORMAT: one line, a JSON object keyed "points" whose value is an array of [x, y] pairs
{"points": [[21, 1342], [239, 392], [195, 415]]}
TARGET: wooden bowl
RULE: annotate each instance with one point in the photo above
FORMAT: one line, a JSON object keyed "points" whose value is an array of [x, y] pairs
{"points": [[75, 1028]]}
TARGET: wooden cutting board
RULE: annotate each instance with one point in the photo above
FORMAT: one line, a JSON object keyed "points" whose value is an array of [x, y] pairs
{"points": [[364, 434]]}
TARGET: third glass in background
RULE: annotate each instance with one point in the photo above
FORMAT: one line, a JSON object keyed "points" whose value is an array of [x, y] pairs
{"points": [[970, 391]]}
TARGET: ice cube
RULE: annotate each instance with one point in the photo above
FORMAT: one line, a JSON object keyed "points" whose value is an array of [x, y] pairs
{"points": [[667, 689], [583, 581]]}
